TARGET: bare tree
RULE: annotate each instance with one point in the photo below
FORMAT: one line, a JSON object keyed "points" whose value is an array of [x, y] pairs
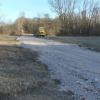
{"points": [[65, 10], [76, 14]]}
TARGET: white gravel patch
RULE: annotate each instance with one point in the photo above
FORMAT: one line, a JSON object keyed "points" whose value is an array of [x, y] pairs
{"points": [[77, 68]]}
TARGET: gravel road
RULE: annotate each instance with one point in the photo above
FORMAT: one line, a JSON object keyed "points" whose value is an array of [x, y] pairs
{"points": [[77, 68]]}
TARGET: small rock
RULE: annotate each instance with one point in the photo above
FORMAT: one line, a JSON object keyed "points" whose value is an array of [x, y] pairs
{"points": [[69, 92]]}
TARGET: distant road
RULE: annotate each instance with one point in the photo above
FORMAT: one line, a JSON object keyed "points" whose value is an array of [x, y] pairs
{"points": [[77, 68]]}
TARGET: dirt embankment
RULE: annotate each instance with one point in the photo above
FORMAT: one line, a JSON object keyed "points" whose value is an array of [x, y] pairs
{"points": [[23, 77]]}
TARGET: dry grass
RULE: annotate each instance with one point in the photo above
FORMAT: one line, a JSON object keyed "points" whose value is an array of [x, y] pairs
{"points": [[91, 42], [23, 77], [8, 40]]}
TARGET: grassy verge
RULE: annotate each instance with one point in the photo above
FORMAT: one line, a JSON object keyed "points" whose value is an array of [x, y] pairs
{"points": [[92, 43], [8, 40], [23, 77]]}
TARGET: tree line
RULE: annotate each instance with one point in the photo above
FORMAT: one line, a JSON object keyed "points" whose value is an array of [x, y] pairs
{"points": [[24, 25], [74, 17], [77, 17]]}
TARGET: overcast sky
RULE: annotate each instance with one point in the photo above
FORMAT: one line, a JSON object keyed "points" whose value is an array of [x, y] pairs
{"points": [[11, 9]]}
